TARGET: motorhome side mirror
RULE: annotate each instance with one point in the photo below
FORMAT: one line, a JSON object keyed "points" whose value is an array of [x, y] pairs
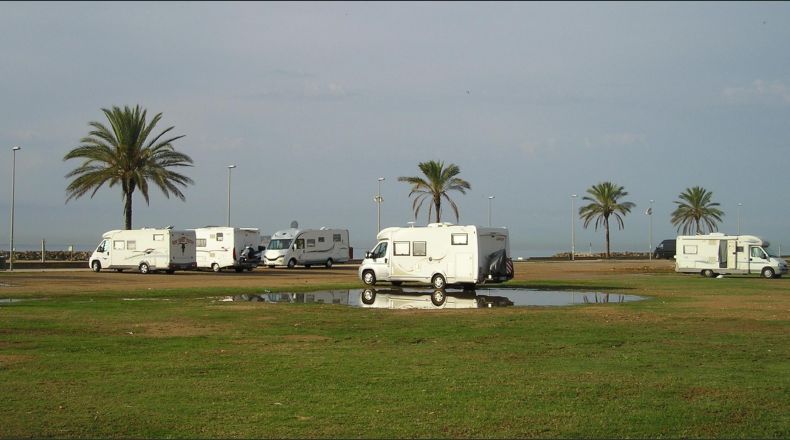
{"points": [[368, 254]]}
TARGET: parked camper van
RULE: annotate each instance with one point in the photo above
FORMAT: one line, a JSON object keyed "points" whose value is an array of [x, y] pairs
{"points": [[307, 247], [713, 254], [665, 249], [146, 249], [439, 254], [220, 247]]}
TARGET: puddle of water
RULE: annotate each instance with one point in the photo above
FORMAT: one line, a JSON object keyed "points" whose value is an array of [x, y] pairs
{"points": [[17, 300], [396, 298]]}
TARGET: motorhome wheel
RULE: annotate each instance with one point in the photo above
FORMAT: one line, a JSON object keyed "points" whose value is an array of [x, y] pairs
{"points": [[96, 266], [438, 297], [329, 263], [707, 273], [438, 281], [369, 278], [144, 268], [291, 263], [768, 273], [215, 267]]}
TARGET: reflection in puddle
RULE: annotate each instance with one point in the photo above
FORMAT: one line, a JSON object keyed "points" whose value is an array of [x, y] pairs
{"points": [[416, 298]]}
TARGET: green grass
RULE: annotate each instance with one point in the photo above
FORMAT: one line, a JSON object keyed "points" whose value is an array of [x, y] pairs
{"points": [[703, 358]]}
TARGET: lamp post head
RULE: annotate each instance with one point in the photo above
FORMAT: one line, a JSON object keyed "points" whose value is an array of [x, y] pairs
{"points": [[231, 166], [574, 196], [16, 148], [491, 197], [381, 179]]}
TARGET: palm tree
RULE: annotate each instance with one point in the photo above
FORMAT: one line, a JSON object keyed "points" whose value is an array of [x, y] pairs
{"points": [[123, 155], [437, 183], [605, 202], [695, 211]]}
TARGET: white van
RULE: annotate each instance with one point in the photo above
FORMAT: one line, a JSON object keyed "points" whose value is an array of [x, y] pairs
{"points": [[439, 254], [307, 247], [713, 254], [220, 247], [146, 249]]}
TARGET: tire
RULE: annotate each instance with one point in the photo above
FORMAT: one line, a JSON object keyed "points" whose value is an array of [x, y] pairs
{"points": [[96, 266], [368, 296], [396, 283], [238, 269], [215, 267], [145, 268], [707, 273], [329, 263], [369, 278], [768, 273], [119, 270], [271, 266], [291, 263], [438, 281], [307, 266], [438, 297]]}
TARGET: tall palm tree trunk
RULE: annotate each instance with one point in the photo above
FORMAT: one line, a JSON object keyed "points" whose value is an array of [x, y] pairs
{"points": [[127, 211], [606, 228], [438, 203]]}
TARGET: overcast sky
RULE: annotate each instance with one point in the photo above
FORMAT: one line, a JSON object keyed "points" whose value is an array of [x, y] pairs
{"points": [[315, 101]]}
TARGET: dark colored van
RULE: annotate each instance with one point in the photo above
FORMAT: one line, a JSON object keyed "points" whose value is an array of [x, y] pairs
{"points": [[666, 249]]}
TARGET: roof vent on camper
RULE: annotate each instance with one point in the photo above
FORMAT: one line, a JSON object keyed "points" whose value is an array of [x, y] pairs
{"points": [[411, 224], [294, 224]]}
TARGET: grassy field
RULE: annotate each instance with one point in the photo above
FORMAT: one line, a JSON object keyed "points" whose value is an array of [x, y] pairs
{"points": [[703, 358]]}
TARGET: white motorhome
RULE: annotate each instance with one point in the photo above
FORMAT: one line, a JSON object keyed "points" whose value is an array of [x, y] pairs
{"points": [[307, 247], [439, 254], [713, 254], [146, 249], [220, 247]]}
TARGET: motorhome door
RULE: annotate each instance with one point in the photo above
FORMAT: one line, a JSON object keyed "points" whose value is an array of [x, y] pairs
{"points": [[381, 260], [103, 253], [757, 259]]}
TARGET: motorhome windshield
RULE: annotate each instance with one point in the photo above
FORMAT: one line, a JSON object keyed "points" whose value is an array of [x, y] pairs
{"points": [[279, 244]]}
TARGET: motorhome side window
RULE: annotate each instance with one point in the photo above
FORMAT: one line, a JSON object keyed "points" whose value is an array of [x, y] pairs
{"points": [[460, 239], [758, 253], [131, 245], [419, 249], [159, 237], [311, 242], [201, 242], [320, 239], [690, 249], [401, 248], [300, 243], [118, 245], [380, 251], [219, 236], [336, 238]]}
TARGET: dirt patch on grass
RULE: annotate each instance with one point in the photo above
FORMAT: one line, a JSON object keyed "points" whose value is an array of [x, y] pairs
{"points": [[305, 338], [11, 359]]}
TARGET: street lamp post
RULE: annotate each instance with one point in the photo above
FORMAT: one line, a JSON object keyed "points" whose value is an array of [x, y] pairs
{"points": [[650, 214], [573, 226], [13, 191], [490, 198], [230, 169], [739, 218], [378, 200]]}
